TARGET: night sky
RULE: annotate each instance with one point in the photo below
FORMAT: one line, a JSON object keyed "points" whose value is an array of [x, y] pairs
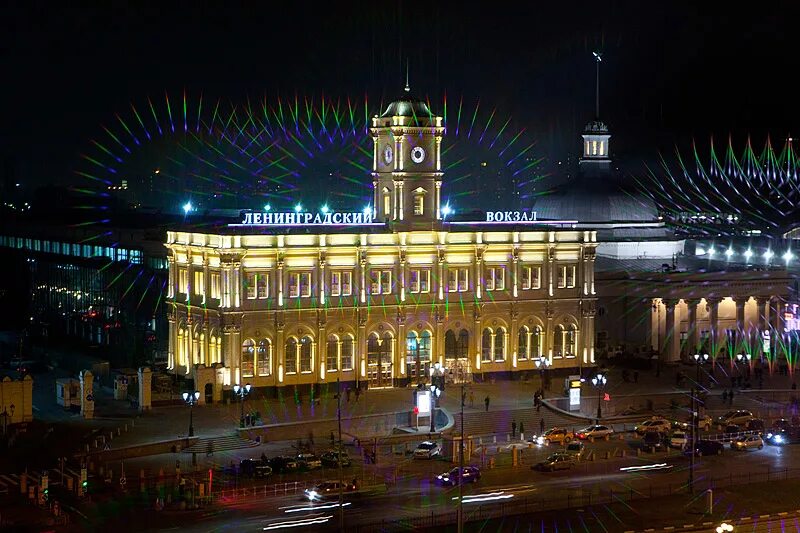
{"points": [[671, 72]]}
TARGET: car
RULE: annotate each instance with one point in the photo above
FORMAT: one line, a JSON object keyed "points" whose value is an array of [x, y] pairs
{"points": [[332, 458], [653, 424], [556, 461], [679, 439], [708, 447], [781, 423], [704, 422], [740, 416], [328, 490], [732, 428], [746, 442], [427, 450], [755, 424], [283, 464], [575, 448], [653, 441], [254, 468], [555, 435], [470, 474], [308, 461], [594, 432], [780, 437]]}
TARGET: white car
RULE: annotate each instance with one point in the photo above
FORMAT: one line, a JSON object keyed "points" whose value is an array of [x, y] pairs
{"points": [[427, 450], [679, 439], [594, 432], [661, 425]]}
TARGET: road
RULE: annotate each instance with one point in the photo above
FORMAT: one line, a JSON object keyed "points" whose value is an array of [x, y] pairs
{"points": [[416, 496]]}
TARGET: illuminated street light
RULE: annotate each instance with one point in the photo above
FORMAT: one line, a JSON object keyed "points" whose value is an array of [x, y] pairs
{"points": [[367, 210], [711, 251], [748, 254], [241, 392], [267, 207], [729, 252], [768, 254], [788, 256], [325, 209], [724, 528], [599, 381], [191, 399], [298, 208], [187, 207], [446, 210]]}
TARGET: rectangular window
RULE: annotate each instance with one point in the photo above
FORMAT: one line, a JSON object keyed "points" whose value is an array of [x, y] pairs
{"points": [[291, 362], [305, 284], [566, 277], [419, 204], [458, 280], [463, 279], [332, 361], [182, 280], [305, 358], [531, 277], [300, 285], [347, 354], [336, 283], [347, 283], [380, 281], [262, 285], [199, 283], [495, 278], [250, 283], [420, 281], [452, 280]]}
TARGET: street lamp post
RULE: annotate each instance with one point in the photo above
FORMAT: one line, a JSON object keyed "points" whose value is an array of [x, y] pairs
{"points": [[542, 365], [698, 358], [191, 399], [599, 381], [241, 392]]}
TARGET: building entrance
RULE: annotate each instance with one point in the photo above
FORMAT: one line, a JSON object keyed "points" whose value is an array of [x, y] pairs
{"points": [[379, 361]]}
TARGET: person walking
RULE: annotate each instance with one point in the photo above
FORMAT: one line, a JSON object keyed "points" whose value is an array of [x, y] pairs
{"points": [[513, 429], [541, 426], [486, 402], [358, 392], [521, 430], [724, 396], [347, 394], [730, 397], [471, 398]]}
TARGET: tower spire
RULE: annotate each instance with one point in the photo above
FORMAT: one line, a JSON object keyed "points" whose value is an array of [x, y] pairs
{"points": [[408, 87], [598, 56]]}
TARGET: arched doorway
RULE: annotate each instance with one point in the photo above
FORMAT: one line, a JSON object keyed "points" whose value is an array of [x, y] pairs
{"points": [[456, 356], [208, 392], [379, 360]]}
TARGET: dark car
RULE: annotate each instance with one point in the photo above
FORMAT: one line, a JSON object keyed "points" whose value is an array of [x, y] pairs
{"points": [[283, 464], [254, 468], [732, 428], [781, 423], [781, 437], [333, 458], [470, 474], [755, 424], [556, 461], [653, 441], [708, 447]]}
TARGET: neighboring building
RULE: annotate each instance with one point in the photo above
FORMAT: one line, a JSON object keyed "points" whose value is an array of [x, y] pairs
{"points": [[300, 299]]}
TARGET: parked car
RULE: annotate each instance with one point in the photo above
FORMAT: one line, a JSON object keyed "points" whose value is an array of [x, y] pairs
{"points": [[254, 468], [653, 441], [332, 458], [653, 424], [738, 417], [679, 439], [470, 474], [308, 461], [708, 447], [328, 490], [781, 423], [732, 428], [755, 424], [556, 461], [427, 450], [557, 436], [283, 464], [704, 423], [575, 448], [597, 432], [746, 442]]}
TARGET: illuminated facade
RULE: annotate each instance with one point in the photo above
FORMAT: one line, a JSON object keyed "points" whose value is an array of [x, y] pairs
{"points": [[300, 299]]}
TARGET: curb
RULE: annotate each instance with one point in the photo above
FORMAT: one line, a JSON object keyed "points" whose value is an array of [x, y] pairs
{"points": [[745, 520]]}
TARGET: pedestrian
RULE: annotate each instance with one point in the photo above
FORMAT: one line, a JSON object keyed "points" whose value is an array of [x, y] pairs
{"points": [[358, 392], [311, 437], [333, 439], [539, 406], [247, 419], [471, 398], [730, 397], [636, 376], [724, 395], [513, 429], [486, 402], [521, 430], [541, 426], [347, 394]]}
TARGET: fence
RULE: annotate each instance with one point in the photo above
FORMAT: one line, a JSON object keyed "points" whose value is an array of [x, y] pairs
{"points": [[528, 504]]}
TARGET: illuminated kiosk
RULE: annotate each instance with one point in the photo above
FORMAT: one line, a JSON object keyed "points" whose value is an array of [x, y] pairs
{"points": [[374, 297]]}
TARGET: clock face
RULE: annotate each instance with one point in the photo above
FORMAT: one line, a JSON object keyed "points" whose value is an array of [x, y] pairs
{"points": [[388, 155], [418, 154]]}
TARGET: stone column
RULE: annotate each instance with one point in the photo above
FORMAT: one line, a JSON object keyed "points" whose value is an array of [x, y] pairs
{"points": [[437, 343], [513, 337], [740, 332], [551, 267], [515, 271], [777, 324], [548, 335], [401, 343], [145, 389], [761, 305], [361, 347], [669, 351], [475, 341], [479, 272], [87, 394], [713, 317], [322, 346], [280, 347], [172, 351], [693, 343]]}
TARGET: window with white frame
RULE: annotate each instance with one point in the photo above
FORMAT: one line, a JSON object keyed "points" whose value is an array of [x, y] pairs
{"points": [[347, 353], [332, 357], [531, 277], [257, 285], [524, 347], [500, 344], [248, 358], [291, 356], [199, 283], [306, 354], [495, 277], [457, 280], [264, 357], [215, 285], [419, 203], [336, 283], [486, 345], [420, 280], [341, 283], [380, 281], [566, 277], [299, 284], [347, 283]]}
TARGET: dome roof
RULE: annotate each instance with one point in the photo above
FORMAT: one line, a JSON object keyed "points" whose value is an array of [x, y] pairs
{"points": [[407, 106], [593, 200]]}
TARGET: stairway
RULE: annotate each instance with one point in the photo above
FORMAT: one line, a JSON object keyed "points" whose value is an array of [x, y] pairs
{"points": [[499, 422], [220, 443]]}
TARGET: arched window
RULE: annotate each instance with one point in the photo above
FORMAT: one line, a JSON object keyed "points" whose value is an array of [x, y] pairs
{"points": [[524, 344], [306, 354], [332, 360], [558, 341], [264, 357], [291, 356], [486, 346], [500, 344], [571, 341], [248, 353], [372, 348], [537, 343], [347, 353], [450, 345], [387, 203], [462, 346]]}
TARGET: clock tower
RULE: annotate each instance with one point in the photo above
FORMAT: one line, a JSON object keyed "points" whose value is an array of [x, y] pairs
{"points": [[406, 164]]}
